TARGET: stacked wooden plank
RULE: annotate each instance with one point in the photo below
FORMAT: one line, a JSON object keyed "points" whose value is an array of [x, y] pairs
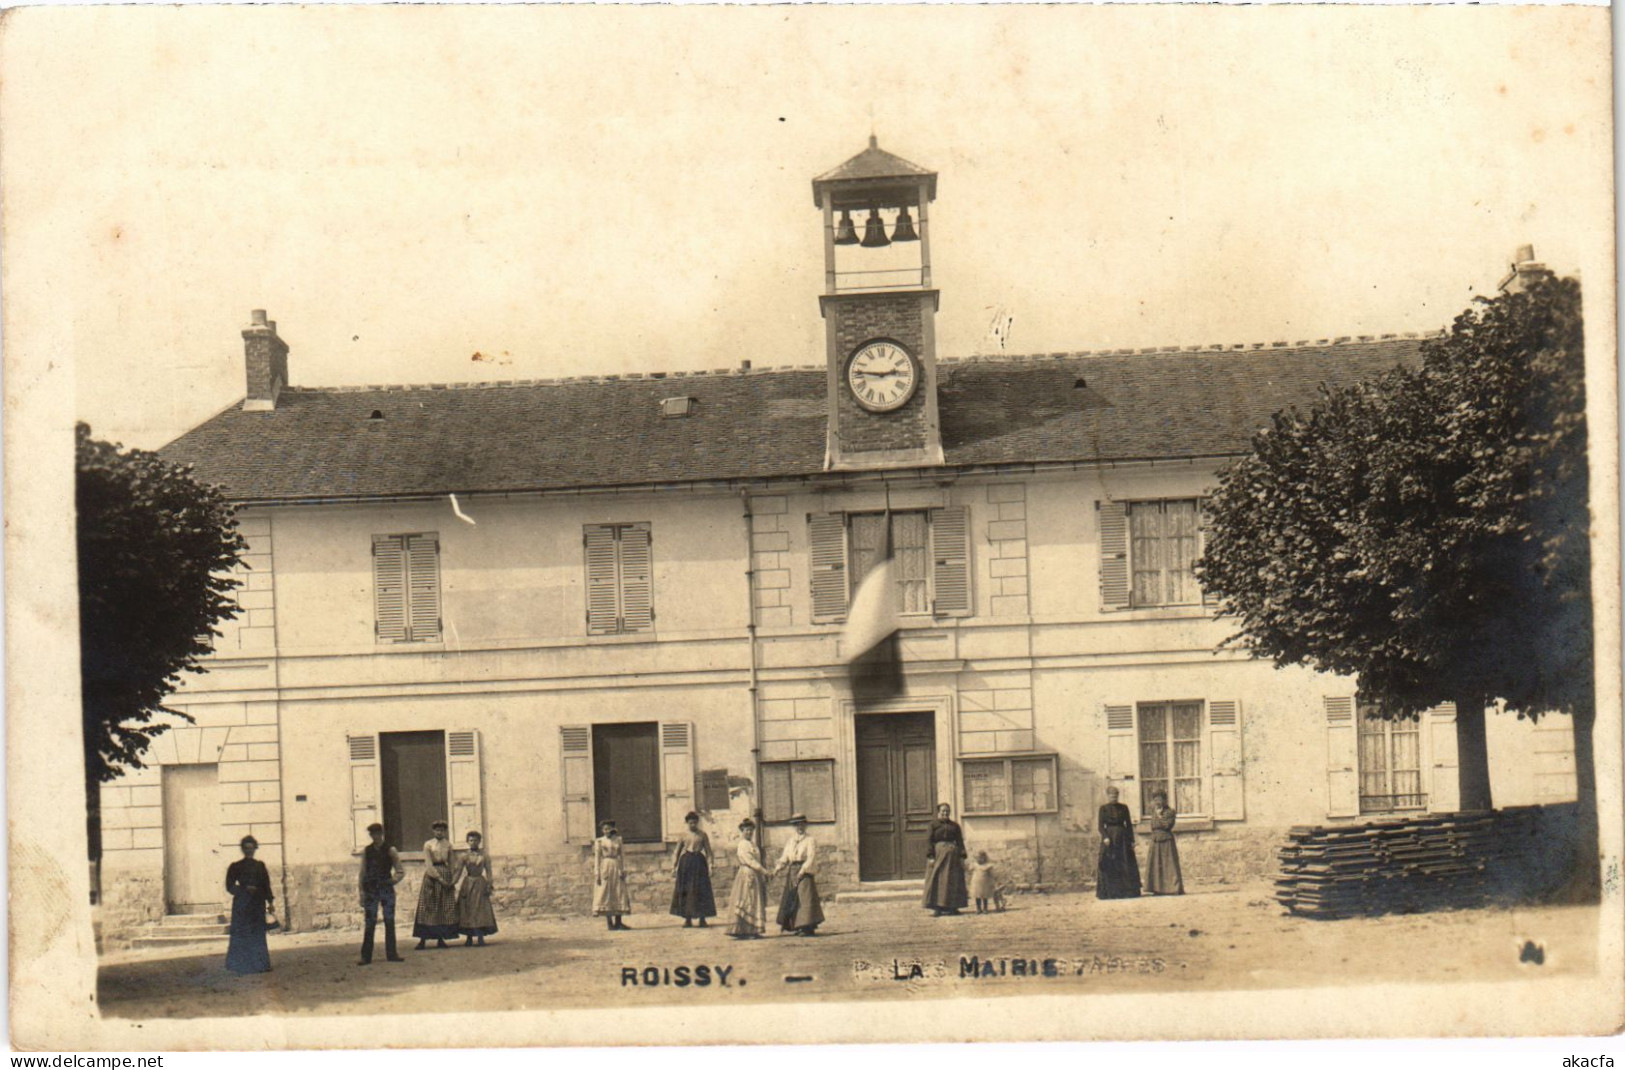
{"points": [[1402, 864]]}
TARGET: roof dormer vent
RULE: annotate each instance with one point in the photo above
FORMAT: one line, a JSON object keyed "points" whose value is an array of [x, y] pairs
{"points": [[674, 407]]}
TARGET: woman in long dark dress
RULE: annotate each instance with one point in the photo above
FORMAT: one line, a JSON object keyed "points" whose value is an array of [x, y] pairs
{"points": [[1119, 876], [1162, 875], [437, 896], [475, 918], [945, 891], [692, 898], [249, 883]]}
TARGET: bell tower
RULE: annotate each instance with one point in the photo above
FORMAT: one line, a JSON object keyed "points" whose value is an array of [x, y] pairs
{"points": [[879, 312]]}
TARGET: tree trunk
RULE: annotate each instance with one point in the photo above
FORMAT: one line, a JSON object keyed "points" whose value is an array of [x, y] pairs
{"points": [[1473, 754], [93, 836], [1585, 880]]}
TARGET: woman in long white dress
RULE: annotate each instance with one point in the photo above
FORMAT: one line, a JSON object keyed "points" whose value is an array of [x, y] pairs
{"points": [[748, 906], [610, 898]]}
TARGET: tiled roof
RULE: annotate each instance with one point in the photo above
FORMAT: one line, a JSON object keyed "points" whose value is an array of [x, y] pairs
{"points": [[872, 163], [323, 443]]}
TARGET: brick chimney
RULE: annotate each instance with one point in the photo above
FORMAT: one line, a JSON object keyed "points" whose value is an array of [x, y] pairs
{"points": [[266, 356], [1524, 271]]}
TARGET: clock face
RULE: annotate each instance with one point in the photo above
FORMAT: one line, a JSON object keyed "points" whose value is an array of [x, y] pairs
{"points": [[882, 376]]}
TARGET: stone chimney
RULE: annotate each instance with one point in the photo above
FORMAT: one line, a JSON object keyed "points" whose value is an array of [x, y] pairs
{"points": [[266, 356], [1524, 271]]}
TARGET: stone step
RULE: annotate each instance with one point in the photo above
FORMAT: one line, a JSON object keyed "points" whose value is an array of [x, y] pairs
{"points": [[148, 940], [192, 921], [881, 892]]}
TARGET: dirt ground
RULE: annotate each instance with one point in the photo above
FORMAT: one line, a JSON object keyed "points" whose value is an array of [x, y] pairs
{"points": [[1219, 938]]}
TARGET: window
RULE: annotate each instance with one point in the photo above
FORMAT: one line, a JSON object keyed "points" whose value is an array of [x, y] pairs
{"points": [[406, 587], [640, 774], [798, 788], [626, 779], [930, 552], [412, 766], [1189, 748], [1010, 785], [1390, 763], [1171, 754], [620, 578], [408, 780], [1147, 552], [910, 547]]}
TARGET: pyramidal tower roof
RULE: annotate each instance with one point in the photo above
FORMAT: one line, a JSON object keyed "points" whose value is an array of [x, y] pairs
{"points": [[873, 164]]}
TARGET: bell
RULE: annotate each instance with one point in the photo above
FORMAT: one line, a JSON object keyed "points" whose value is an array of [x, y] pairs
{"points": [[874, 231], [846, 233], [905, 227]]}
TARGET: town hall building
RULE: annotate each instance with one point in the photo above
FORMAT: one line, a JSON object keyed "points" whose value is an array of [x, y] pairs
{"points": [[525, 607]]}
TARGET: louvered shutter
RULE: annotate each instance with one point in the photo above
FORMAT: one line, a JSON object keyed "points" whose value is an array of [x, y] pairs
{"points": [[1122, 754], [423, 587], [389, 587], [363, 753], [603, 580], [1112, 518], [575, 783], [1204, 524], [1224, 739], [463, 783], [676, 775], [950, 554], [826, 536], [1444, 790], [1342, 758], [637, 578]]}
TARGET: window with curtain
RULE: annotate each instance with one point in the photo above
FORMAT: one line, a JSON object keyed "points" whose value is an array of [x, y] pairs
{"points": [[1390, 764], [911, 552], [1163, 546], [1170, 737], [1017, 784]]}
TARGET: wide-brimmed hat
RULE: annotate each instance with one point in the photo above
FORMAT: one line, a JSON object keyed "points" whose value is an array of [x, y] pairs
{"points": [[439, 825], [798, 819]]}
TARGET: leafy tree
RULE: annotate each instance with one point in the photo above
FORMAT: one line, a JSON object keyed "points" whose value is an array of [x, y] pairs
{"points": [[155, 553], [1428, 530]]}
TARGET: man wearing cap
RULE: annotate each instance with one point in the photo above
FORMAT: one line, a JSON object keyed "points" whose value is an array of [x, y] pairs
{"points": [[799, 911], [381, 870]]}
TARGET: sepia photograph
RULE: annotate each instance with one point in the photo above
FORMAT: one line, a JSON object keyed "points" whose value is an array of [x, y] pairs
{"points": [[543, 526]]}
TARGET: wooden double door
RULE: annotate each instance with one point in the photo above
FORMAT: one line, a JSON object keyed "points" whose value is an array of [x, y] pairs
{"points": [[897, 793]]}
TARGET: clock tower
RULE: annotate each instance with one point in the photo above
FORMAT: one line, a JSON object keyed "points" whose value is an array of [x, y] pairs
{"points": [[879, 313]]}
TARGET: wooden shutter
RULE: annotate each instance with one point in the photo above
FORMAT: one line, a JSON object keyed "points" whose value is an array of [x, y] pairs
{"points": [[1342, 758], [1224, 740], [1122, 751], [1204, 524], [637, 577], [826, 537], [423, 587], [950, 555], [603, 580], [1444, 786], [364, 807], [575, 783], [389, 588], [463, 784], [676, 775], [1112, 519]]}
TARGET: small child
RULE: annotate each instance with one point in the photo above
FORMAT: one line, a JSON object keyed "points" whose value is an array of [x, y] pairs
{"points": [[983, 886]]}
